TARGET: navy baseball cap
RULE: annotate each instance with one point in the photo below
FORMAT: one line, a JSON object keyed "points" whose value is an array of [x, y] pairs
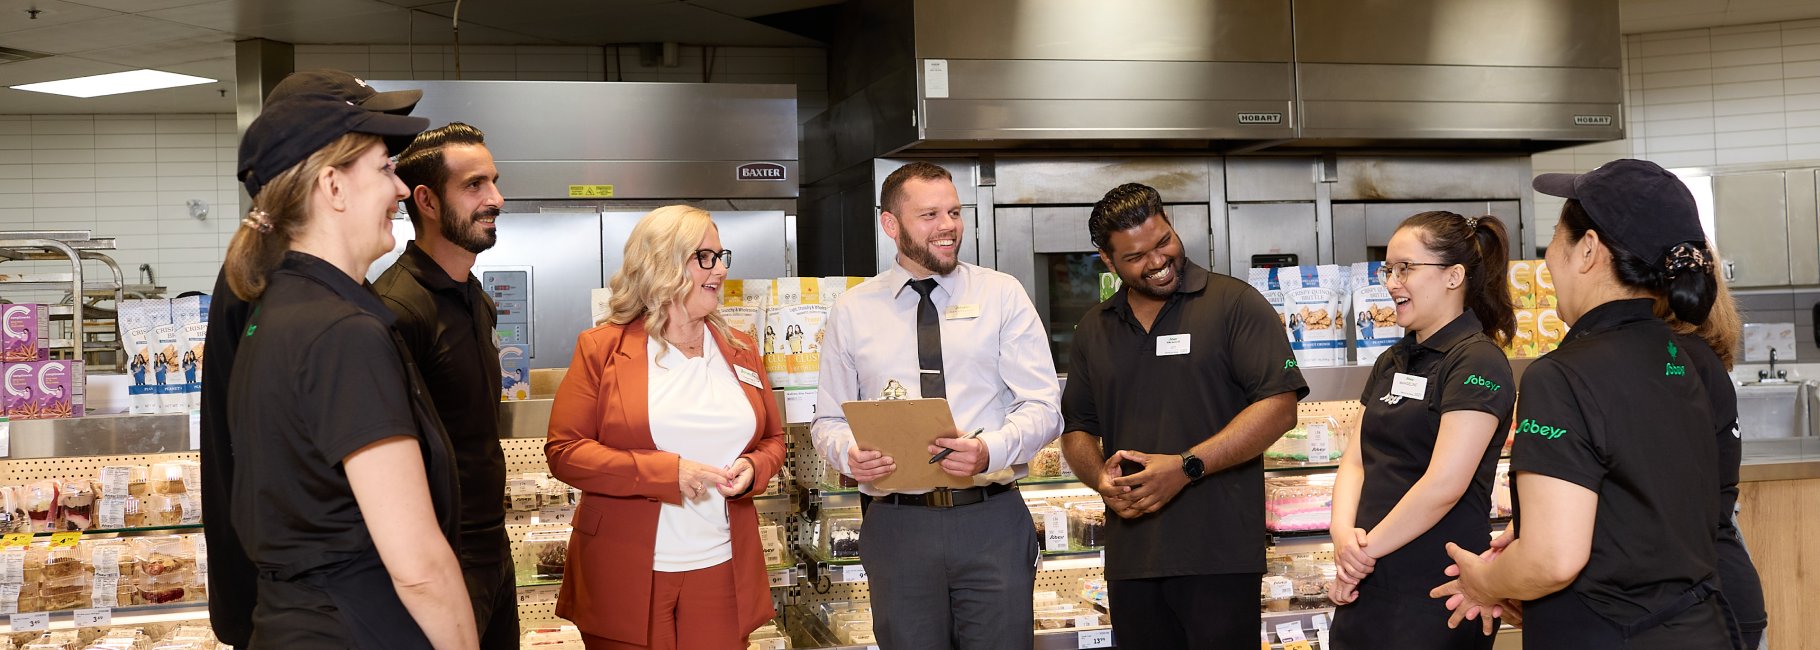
{"points": [[345, 85], [291, 129], [1637, 205]]}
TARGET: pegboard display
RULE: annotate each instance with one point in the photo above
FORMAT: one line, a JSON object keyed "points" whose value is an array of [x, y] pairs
{"points": [[1346, 412], [537, 607], [524, 455], [13, 472]]}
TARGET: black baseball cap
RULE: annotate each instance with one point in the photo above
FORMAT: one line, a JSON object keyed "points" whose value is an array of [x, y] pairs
{"points": [[345, 85], [1637, 205], [291, 129]]}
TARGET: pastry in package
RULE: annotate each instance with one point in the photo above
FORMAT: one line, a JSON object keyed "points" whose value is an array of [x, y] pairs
{"points": [[1315, 300], [1545, 286], [1375, 321], [1522, 277]]}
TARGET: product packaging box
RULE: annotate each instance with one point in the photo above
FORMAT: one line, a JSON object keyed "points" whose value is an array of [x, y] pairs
{"points": [[515, 373], [191, 316], [39, 390], [137, 319], [742, 304], [1549, 331], [1526, 343], [1522, 278], [24, 332], [1375, 321], [1545, 286], [1316, 299], [795, 316], [168, 348]]}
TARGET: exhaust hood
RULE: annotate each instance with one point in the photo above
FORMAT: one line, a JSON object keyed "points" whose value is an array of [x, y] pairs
{"points": [[1232, 76]]}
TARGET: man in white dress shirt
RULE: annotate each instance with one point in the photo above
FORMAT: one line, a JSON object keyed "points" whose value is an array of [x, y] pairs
{"points": [[950, 567]]}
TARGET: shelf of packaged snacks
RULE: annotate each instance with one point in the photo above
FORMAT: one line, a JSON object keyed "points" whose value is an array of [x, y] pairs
{"points": [[136, 615], [100, 435]]}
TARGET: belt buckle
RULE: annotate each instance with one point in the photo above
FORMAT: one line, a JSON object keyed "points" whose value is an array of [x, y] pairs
{"points": [[940, 498]]}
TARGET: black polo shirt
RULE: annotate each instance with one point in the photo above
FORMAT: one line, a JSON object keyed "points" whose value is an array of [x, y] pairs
{"points": [[318, 375], [1617, 410], [1121, 390], [1463, 370], [231, 575], [448, 327]]}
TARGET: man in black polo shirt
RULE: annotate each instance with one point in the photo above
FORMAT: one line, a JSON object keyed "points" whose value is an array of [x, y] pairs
{"points": [[447, 320], [1187, 375]]}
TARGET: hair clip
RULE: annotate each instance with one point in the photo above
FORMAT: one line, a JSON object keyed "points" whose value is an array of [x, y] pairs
{"points": [[258, 220], [1686, 256], [1472, 223]]}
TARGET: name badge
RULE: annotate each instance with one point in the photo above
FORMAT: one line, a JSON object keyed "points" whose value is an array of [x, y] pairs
{"points": [[958, 312], [748, 377], [1409, 386], [1171, 345]]}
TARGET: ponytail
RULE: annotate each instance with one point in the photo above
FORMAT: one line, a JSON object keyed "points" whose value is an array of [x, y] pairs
{"points": [[1685, 279], [279, 214], [1481, 246]]}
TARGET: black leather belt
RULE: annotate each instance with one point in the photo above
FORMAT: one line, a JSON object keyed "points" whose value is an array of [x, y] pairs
{"points": [[948, 497]]}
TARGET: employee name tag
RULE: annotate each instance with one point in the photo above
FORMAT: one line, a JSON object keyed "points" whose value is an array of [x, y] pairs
{"points": [[747, 376], [1409, 386], [1174, 344], [958, 312]]}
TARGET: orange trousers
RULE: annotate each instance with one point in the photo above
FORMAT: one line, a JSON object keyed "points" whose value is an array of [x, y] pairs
{"points": [[690, 610]]}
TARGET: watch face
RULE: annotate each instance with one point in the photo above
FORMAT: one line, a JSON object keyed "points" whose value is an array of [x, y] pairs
{"points": [[1192, 466]]}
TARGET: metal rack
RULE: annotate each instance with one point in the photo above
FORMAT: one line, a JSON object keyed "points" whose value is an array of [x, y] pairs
{"points": [[73, 247]]}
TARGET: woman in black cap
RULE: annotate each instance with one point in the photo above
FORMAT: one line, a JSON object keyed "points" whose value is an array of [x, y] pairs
{"points": [[1614, 472], [344, 491]]}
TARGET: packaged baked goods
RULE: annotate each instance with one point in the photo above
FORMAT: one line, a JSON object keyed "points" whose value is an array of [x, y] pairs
{"points": [[1298, 503], [1051, 526], [119, 512], [1048, 462], [13, 517], [841, 537], [76, 505], [41, 505], [547, 553], [71, 592], [1087, 525], [1279, 593], [522, 494], [163, 509], [123, 480], [1315, 439], [165, 478], [771, 539], [164, 569]]}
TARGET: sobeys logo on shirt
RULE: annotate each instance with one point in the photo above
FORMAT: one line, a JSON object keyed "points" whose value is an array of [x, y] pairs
{"points": [[1533, 427], [1289, 364], [1672, 369], [1476, 380]]}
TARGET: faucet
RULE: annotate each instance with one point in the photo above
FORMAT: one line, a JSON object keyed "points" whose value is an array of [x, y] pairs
{"points": [[1764, 375]]}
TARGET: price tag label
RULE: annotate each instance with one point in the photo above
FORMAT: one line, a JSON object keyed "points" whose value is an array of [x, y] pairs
{"points": [[1320, 622], [16, 539], [66, 539], [9, 598], [1291, 632], [1086, 621], [1094, 639], [192, 478], [12, 565], [192, 509], [195, 430], [202, 555], [854, 572], [780, 578], [1320, 443], [113, 480], [1298, 645], [1055, 531], [95, 617], [33, 622], [106, 590], [1280, 588], [113, 513], [556, 515], [519, 487]]}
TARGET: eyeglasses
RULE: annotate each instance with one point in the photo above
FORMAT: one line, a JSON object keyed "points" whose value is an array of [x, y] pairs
{"points": [[706, 258], [1400, 270]]}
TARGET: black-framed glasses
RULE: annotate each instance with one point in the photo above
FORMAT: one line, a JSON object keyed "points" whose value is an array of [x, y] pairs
{"points": [[1400, 270], [706, 258]]}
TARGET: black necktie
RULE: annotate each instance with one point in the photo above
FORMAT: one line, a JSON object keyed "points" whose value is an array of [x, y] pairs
{"points": [[929, 340]]}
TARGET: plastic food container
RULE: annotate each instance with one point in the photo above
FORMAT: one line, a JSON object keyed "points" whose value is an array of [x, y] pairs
{"points": [[841, 537], [1087, 525]]}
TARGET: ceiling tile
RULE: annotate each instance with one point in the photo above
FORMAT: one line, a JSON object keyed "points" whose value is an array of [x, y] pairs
{"points": [[244, 16], [114, 31], [137, 6], [189, 99], [53, 68], [13, 16], [218, 45], [752, 8]]}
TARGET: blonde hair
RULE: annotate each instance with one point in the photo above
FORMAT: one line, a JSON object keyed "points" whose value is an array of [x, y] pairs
{"points": [[280, 212], [655, 273], [1724, 327]]}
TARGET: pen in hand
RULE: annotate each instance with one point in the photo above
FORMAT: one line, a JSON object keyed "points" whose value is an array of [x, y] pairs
{"points": [[938, 457]]}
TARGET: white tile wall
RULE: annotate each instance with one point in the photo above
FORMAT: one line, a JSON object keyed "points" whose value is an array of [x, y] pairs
{"points": [[127, 177], [1707, 97]]}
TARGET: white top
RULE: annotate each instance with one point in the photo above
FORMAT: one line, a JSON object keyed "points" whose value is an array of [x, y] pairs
{"points": [[995, 359], [698, 412]]}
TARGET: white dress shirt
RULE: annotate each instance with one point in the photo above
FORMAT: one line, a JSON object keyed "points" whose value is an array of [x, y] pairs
{"points": [[995, 358], [699, 412]]}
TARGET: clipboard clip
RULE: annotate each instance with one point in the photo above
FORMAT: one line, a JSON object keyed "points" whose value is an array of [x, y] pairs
{"points": [[893, 390]]}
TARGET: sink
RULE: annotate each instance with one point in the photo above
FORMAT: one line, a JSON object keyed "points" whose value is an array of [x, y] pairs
{"points": [[1776, 409]]}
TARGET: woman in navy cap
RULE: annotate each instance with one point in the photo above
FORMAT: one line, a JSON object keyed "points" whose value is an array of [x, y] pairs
{"points": [[1615, 480], [343, 488]]}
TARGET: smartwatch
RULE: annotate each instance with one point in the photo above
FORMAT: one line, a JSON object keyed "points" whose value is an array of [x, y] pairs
{"points": [[1193, 467]]}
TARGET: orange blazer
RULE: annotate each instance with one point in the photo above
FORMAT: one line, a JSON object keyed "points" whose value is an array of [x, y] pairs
{"points": [[600, 442]]}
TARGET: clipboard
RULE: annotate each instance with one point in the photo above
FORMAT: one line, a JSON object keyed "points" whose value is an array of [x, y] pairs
{"points": [[904, 429]]}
